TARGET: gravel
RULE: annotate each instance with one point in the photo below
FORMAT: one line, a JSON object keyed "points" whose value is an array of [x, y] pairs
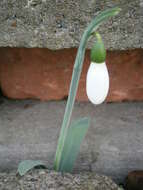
{"points": [[45, 179]]}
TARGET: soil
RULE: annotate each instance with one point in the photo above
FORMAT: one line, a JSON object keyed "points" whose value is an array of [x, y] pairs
{"points": [[45, 179]]}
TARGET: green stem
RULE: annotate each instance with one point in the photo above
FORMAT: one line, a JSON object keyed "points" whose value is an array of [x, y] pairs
{"points": [[75, 79]]}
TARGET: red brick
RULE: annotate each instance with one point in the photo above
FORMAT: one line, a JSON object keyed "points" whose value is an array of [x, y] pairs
{"points": [[45, 74]]}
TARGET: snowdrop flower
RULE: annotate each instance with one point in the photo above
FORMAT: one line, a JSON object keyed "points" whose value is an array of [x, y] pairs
{"points": [[97, 81]]}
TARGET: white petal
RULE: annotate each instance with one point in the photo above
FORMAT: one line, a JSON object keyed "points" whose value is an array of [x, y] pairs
{"points": [[97, 83]]}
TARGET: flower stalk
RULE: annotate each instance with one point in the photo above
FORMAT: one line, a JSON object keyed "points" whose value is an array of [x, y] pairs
{"points": [[93, 26]]}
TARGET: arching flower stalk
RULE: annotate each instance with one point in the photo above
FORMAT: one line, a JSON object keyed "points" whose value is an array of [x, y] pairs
{"points": [[97, 81], [97, 85], [71, 136]]}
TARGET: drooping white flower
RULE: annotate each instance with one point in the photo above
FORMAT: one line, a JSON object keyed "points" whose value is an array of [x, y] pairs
{"points": [[97, 82]]}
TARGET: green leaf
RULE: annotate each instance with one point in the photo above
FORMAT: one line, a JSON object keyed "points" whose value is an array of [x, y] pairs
{"points": [[27, 165], [74, 138], [92, 27]]}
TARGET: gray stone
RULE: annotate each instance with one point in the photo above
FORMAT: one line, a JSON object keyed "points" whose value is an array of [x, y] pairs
{"points": [[113, 146], [57, 24], [44, 179]]}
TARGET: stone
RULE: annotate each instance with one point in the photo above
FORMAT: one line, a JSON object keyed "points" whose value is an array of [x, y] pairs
{"points": [[45, 74], [44, 179], [113, 145], [58, 24], [134, 180]]}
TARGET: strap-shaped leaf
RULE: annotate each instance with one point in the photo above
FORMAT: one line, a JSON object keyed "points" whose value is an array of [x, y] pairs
{"points": [[92, 27], [27, 165], [74, 138]]}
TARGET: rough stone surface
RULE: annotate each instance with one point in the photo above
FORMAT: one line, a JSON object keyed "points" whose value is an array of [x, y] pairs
{"points": [[113, 145], [134, 180], [57, 24], [42, 180], [44, 74]]}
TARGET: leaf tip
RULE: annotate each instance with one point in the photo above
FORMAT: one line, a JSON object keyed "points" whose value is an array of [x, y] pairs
{"points": [[118, 9]]}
